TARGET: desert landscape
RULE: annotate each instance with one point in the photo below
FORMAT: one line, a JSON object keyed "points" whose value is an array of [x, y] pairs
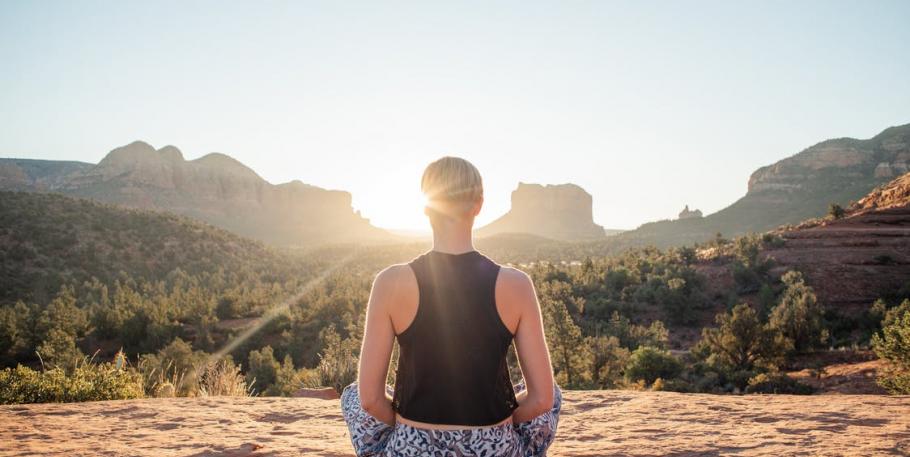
{"points": [[707, 205], [593, 423]]}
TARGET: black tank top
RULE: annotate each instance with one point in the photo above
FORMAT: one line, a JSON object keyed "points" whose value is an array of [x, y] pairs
{"points": [[452, 365]]}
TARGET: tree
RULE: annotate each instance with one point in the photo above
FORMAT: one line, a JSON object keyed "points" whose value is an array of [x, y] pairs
{"points": [[61, 314], [649, 363], [609, 360], [177, 364], [14, 332], [740, 342], [571, 360], [893, 345], [59, 350], [798, 315], [262, 369], [835, 211]]}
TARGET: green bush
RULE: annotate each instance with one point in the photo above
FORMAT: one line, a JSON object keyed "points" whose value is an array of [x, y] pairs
{"points": [[741, 342], [86, 382], [648, 363], [777, 383], [893, 346], [609, 360], [799, 316], [338, 361], [173, 371], [262, 369]]}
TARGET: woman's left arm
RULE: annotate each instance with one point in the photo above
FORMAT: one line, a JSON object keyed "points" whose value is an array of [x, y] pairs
{"points": [[376, 350]]}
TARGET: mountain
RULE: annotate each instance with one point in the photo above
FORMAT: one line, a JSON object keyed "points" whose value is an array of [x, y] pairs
{"points": [[794, 189], [214, 188], [42, 175], [560, 212]]}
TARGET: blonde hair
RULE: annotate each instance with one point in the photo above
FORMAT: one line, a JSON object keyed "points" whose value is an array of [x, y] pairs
{"points": [[452, 179]]}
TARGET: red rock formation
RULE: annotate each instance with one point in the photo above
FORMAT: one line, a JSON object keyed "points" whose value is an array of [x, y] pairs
{"points": [[215, 188], [850, 262], [561, 212]]}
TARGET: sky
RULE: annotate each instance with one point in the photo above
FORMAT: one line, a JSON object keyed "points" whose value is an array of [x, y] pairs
{"points": [[648, 106]]}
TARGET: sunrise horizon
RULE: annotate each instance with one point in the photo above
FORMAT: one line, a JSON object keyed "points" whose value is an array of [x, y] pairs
{"points": [[674, 104]]}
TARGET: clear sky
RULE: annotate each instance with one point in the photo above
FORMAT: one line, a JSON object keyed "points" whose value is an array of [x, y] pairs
{"points": [[647, 105]]}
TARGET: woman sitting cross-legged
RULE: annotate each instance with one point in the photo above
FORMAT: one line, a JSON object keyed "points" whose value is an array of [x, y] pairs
{"points": [[454, 312]]}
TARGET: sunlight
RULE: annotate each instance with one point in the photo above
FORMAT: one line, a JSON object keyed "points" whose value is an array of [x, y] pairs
{"points": [[277, 309]]}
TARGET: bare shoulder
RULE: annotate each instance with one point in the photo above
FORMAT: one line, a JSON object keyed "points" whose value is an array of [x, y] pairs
{"points": [[395, 272], [513, 285], [395, 281], [513, 277], [395, 276]]}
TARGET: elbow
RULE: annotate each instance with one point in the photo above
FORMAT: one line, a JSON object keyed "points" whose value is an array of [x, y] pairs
{"points": [[545, 402], [539, 404], [370, 404]]}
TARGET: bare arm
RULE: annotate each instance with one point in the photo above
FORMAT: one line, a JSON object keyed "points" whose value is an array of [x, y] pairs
{"points": [[533, 355], [376, 349]]}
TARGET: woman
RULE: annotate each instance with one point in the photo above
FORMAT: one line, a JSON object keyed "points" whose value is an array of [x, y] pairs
{"points": [[454, 313]]}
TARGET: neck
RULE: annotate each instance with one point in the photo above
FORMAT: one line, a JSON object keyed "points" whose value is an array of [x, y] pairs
{"points": [[454, 238]]}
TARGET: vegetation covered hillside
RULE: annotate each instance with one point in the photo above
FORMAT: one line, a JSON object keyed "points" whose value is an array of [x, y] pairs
{"points": [[186, 301], [48, 240]]}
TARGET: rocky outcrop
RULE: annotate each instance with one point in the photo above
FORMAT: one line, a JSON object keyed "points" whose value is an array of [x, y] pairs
{"points": [[219, 190], [688, 214], [884, 156], [561, 212], [894, 194], [853, 261]]}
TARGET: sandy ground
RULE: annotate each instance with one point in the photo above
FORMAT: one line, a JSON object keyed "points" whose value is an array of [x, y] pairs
{"points": [[593, 423]]}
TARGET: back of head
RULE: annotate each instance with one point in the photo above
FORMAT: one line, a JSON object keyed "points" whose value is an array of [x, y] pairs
{"points": [[453, 188]]}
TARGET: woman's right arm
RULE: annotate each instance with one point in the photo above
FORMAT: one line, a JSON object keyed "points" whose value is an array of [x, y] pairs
{"points": [[533, 355]]}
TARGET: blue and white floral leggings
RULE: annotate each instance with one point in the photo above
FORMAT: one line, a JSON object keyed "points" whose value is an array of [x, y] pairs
{"points": [[374, 438]]}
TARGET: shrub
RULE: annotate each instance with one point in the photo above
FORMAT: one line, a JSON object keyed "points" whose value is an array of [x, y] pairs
{"points": [[86, 382], [658, 385], [676, 385], [270, 378], [740, 342], [222, 378], [798, 315], [632, 335], [262, 369], [893, 345], [892, 315], [773, 240], [884, 259], [176, 365], [777, 383], [609, 360], [338, 362], [835, 211], [59, 350], [649, 363]]}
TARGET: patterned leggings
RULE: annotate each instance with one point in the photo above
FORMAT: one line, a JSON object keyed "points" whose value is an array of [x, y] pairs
{"points": [[374, 438]]}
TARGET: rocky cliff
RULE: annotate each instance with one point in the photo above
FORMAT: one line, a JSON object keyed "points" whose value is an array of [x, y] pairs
{"points": [[794, 189], [561, 212], [216, 189]]}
